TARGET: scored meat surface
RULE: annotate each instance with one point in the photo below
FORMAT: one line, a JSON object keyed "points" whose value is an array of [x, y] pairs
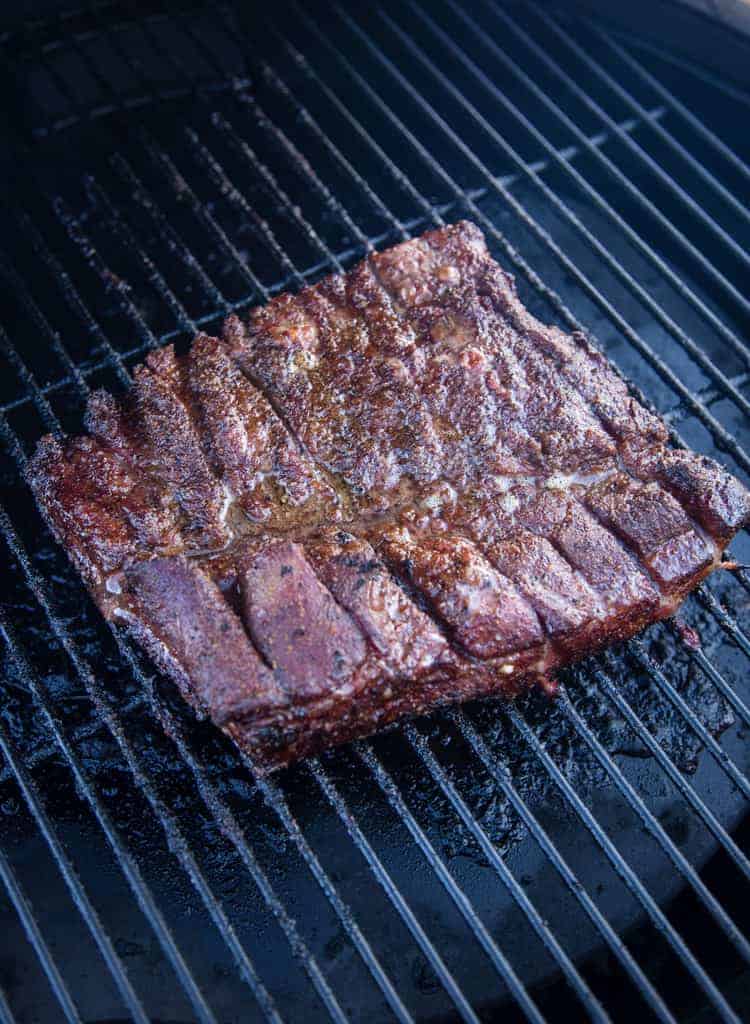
{"points": [[394, 490]]}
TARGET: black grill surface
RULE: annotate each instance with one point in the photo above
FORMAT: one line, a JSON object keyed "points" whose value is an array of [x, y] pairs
{"points": [[578, 859]]}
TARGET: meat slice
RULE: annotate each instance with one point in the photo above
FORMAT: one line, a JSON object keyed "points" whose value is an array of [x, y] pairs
{"points": [[332, 360], [622, 587], [495, 398], [80, 486], [175, 447], [577, 363], [312, 644], [150, 507], [391, 491], [189, 629], [652, 522], [257, 459], [486, 613], [717, 500], [561, 597], [403, 635]]}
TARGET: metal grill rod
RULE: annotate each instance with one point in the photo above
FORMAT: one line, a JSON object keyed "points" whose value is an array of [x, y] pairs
{"points": [[724, 438], [383, 878], [670, 769], [85, 731], [6, 1014], [34, 934], [694, 350], [397, 802], [703, 74], [276, 801], [77, 892], [629, 877], [720, 755], [655, 829], [698, 126], [674, 186], [722, 685], [145, 200], [219, 177], [663, 133], [730, 627], [58, 274], [500, 773], [127, 864], [156, 279], [488, 41], [641, 199]]}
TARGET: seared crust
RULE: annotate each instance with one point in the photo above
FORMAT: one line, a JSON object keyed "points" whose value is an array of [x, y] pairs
{"points": [[392, 491]]}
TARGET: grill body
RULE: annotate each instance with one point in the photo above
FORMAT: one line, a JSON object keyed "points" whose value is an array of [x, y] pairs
{"points": [[582, 859]]}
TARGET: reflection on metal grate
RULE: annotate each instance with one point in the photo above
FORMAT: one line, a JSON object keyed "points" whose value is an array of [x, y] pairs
{"points": [[612, 179]]}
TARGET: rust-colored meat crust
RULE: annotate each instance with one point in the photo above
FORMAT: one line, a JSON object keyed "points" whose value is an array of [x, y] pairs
{"points": [[394, 490]]}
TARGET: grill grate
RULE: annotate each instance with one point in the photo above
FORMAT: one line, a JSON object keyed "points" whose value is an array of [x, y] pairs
{"points": [[580, 152]]}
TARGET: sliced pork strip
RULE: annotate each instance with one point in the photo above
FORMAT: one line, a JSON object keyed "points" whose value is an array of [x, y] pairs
{"points": [[176, 449], [403, 635], [568, 607], [625, 593], [183, 619], [313, 645], [499, 402], [450, 276], [585, 368], [655, 525], [717, 500], [150, 507], [487, 614], [252, 450], [624, 590], [80, 485]]}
